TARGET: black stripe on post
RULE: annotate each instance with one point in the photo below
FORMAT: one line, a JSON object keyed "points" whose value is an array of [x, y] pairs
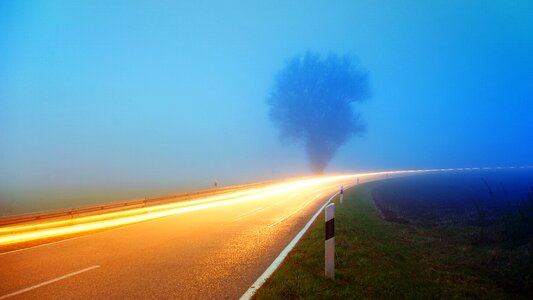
{"points": [[330, 229]]}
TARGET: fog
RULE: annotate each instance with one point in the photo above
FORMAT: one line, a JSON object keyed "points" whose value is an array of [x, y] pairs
{"points": [[106, 100]]}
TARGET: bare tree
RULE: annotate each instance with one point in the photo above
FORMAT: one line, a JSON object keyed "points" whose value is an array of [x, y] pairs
{"points": [[311, 103]]}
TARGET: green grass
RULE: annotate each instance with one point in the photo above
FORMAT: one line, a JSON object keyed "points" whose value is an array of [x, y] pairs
{"points": [[381, 260]]}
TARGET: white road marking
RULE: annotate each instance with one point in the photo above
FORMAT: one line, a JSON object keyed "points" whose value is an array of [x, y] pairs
{"points": [[275, 264], [259, 209], [294, 212], [246, 214], [48, 282]]}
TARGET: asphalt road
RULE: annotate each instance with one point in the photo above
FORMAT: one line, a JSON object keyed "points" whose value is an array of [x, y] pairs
{"points": [[212, 253]]}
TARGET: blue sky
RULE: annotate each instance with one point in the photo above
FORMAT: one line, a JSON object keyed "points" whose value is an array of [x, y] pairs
{"points": [[153, 97]]}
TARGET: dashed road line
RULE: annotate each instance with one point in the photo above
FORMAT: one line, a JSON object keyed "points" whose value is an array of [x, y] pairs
{"points": [[246, 214], [296, 211], [48, 282]]}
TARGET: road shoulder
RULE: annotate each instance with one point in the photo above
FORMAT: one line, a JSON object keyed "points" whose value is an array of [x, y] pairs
{"points": [[373, 260]]}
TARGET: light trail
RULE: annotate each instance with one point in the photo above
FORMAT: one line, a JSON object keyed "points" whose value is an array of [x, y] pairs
{"points": [[126, 217], [46, 229], [129, 212], [23, 233]]}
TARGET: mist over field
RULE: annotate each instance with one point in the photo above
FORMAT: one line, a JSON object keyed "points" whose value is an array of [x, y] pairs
{"points": [[111, 100], [457, 197]]}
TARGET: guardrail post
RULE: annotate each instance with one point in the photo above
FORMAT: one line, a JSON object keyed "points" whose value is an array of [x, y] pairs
{"points": [[330, 241]]}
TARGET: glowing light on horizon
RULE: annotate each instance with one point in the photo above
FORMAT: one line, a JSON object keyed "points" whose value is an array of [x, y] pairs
{"points": [[21, 233]]}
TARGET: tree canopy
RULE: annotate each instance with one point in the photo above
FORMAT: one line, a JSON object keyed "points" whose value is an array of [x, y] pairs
{"points": [[311, 103]]}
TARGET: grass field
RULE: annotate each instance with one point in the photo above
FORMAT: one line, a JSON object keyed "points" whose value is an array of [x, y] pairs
{"points": [[379, 259]]}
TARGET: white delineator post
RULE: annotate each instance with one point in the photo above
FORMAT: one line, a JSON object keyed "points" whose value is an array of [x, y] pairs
{"points": [[330, 241], [341, 194]]}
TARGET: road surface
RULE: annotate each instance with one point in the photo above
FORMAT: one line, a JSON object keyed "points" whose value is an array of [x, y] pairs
{"points": [[213, 252]]}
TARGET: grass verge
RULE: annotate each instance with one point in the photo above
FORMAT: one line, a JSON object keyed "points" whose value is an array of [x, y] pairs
{"points": [[378, 259]]}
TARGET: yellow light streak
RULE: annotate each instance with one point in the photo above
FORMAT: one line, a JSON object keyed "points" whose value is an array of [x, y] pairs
{"points": [[129, 212], [21, 233]]}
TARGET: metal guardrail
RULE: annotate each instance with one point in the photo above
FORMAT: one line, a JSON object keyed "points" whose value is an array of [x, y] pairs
{"points": [[71, 212]]}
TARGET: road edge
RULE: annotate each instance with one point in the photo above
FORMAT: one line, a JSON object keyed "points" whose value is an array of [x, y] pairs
{"points": [[283, 254]]}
